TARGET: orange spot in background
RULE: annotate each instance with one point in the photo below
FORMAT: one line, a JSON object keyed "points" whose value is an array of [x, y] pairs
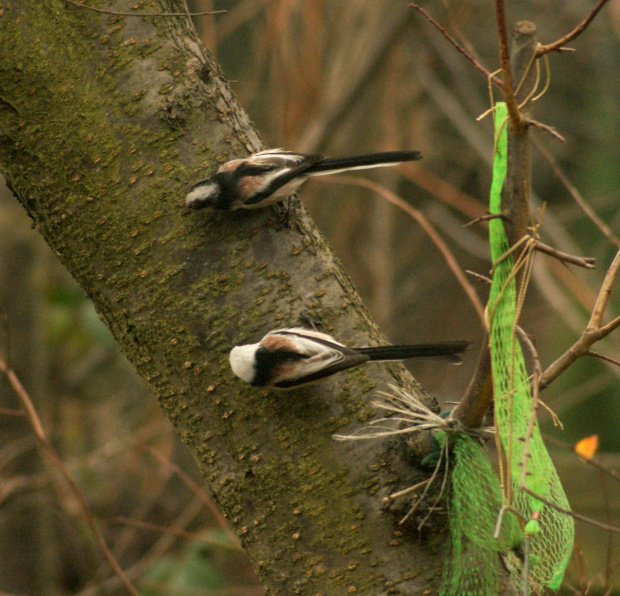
{"points": [[587, 447]]}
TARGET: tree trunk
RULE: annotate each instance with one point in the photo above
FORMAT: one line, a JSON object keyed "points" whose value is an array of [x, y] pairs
{"points": [[104, 123]]}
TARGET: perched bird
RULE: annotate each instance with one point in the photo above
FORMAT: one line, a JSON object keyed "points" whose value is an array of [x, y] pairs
{"points": [[270, 176], [288, 358]]}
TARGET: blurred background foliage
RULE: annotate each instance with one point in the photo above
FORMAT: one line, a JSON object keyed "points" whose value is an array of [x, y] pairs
{"points": [[338, 78]]}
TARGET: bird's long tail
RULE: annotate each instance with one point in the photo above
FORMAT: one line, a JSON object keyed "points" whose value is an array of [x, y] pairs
{"points": [[450, 350], [333, 165]]}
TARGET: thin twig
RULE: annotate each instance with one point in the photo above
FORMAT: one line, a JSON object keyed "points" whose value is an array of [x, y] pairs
{"points": [[578, 516], [406, 491], [145, 14], [39, 433], [456, 45], [473, 407], [593, 331], [615, 474], [154, 553], [426, 226], [603, 357], [557, 45], [591, 460], [585, 262], [200, 493], [546, 128], [440, 189], [487, 217], [607, 329], [497, 532], [479, 277], [604, 293], [577, 196]]}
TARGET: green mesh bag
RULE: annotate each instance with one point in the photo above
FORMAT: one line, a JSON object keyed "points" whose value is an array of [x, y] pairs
{"points": [[551, 533], [473, 566]]}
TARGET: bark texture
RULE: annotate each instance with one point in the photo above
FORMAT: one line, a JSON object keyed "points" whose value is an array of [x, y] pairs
{"points": [[104, 122]]}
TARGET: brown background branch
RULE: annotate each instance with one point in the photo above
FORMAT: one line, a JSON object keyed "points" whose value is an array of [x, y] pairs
{"points": [[578, 30]]}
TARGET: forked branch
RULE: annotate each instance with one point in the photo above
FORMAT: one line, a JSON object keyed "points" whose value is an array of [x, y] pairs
{"points": [[457, 46], [578, 30], [593, 332]]}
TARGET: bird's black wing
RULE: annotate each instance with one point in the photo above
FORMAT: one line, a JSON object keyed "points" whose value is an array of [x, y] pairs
{"points": [[283, 171], [319, 367]]}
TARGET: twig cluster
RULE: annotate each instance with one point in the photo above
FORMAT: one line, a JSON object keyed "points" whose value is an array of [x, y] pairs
{"points": [[46, 447], [515, 211]]}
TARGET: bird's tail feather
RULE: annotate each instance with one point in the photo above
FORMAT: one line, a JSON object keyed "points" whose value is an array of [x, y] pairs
{"points": [[451, 351], [332, 165]]}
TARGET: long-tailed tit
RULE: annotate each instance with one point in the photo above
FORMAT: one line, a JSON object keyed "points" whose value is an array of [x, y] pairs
{"points": [[288, 358], [270, 176]]}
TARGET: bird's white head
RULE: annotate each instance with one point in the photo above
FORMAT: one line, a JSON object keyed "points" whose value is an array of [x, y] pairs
{"points": [[203, 194], [243, 361]]}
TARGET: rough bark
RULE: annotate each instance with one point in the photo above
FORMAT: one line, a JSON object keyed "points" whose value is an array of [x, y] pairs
{"points": [[104, 122]]}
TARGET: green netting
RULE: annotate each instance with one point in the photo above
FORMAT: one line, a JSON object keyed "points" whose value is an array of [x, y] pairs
{"points": [[473, 567], [552, 535]]}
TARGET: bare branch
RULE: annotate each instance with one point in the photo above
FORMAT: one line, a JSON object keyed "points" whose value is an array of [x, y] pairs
{"points": [[603, 357], [590, 461], [577, 516], [557, 45], [517, 186], [406, 491], [586, 262], [515, 195], [474, 405], [426, 226], [592, 333], [487, 217], [456, 45], [200, 493], [604, 293], [546, 128], [607, 329], [478, 277], [39, 433], [579, 199]]}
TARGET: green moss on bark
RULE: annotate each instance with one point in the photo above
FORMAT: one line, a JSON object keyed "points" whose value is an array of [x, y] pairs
{"points": [[104, 121]]}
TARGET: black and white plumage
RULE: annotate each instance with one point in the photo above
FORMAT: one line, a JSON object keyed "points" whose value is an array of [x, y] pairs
{"points": [[289, 358], [270, 176]]}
